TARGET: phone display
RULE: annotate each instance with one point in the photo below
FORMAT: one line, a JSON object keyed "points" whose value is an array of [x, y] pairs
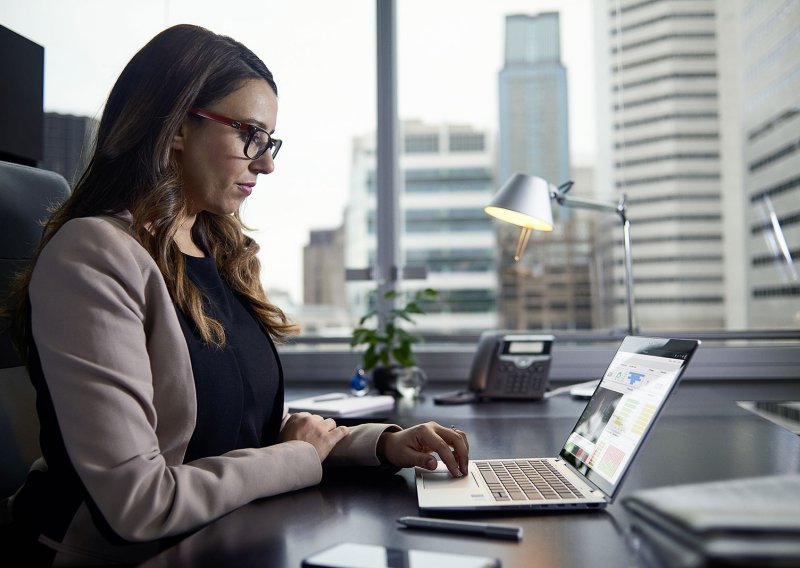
{"points": [[354, 555]]}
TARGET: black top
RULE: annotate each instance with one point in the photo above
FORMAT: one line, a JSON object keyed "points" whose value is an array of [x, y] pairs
{"points": [[236, 385]]}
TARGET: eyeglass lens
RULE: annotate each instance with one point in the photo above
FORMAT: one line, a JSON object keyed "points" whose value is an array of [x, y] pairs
{"points": [[260, 142]]}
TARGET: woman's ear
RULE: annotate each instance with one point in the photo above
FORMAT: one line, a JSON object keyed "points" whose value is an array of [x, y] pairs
{"points": [[179, 140]]}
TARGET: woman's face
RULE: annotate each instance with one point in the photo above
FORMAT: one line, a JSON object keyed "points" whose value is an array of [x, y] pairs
{"points": [[217, 176]]}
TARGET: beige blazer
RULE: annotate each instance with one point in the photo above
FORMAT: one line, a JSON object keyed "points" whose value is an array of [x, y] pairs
{"points": [[119, 373]]}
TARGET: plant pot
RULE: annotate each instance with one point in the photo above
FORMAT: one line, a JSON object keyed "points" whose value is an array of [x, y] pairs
{"points": [[406, 382], [385, 379]]}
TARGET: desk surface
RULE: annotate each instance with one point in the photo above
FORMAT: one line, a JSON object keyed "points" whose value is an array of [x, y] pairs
{"points": [[702, 435]]}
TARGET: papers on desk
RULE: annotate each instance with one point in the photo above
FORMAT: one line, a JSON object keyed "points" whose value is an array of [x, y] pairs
{"points": [[754, 518], [339, 404]]}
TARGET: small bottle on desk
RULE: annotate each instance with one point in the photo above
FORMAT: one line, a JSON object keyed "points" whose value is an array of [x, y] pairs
{"points": [[359, 383]]}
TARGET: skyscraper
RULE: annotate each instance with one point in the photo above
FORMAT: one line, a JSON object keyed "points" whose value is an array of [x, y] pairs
{"points": [[448, 173], [769, 55], [659, 143], [551, 286], [323, 268], [67, 140], [534, 136]]}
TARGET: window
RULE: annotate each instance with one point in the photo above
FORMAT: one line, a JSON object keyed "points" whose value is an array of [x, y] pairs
{"points": [[687, 108]]}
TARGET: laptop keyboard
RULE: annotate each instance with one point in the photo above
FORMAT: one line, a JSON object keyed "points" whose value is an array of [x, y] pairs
{"points": [[526, 480]]}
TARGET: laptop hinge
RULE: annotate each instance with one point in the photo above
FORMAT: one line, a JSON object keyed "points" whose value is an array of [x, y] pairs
{"points": [[583, 478]]}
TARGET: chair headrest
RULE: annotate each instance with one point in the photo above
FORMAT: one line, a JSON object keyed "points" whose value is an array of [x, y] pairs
{"points": [[26, 195]]}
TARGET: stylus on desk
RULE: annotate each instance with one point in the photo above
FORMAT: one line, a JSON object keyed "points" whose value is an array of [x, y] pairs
{"points": [[464, 527]]}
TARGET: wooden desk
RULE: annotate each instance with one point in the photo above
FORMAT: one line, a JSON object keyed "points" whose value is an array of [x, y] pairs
{"points": [[702, 435]]}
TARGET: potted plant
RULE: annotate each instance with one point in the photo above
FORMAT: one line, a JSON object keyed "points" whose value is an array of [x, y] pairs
{"points": [[388, 352]]}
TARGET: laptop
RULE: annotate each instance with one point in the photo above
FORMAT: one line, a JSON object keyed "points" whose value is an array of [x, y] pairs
{"points": [[590, 468]]}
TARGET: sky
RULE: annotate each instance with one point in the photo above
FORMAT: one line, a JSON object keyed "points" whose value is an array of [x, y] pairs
{"points": [[322, 54]]}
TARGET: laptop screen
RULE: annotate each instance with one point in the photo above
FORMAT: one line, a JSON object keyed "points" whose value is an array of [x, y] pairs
{"points": [[624, 407]]}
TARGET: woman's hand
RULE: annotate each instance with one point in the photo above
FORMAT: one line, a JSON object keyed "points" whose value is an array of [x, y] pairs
{"points": [[322, 433], [414, 446]]}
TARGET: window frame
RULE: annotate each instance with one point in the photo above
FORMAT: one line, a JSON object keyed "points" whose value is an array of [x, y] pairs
{"points": [[577, 356]]}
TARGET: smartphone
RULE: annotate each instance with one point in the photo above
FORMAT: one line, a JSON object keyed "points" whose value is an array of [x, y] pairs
{"points": [[353, 555]]}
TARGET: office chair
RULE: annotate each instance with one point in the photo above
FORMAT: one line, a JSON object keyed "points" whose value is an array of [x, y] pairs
{"points": [[26, 195]]}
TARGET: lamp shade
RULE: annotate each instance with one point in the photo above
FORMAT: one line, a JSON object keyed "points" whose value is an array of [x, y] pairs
{"points": [[524, 201]]}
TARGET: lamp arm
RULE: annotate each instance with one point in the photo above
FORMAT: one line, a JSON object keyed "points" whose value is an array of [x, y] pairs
{"points": [[620, 208], [583, 203]]}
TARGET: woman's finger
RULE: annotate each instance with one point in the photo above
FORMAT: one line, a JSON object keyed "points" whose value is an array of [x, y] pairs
{"points": [[440, 442], [457, 440], [453, 434]]}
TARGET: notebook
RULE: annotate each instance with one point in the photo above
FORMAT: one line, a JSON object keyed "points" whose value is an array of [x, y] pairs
{"points": [[341, 405], [597, 453]]}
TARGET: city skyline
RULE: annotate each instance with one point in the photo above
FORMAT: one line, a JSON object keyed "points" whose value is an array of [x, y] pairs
{"points": [[699, 145], [326, 83]]}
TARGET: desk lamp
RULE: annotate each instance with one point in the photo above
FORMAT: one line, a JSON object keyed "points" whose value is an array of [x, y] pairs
{"points": [[524, 200]]}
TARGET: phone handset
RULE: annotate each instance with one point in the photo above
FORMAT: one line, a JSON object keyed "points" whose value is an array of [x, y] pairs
{"points": [[479, 371], [478, 374]]}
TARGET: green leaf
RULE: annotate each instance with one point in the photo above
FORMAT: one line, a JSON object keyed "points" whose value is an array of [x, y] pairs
{"points": [[413, 308], [368, 336], [401, 315], [404, 335], [404, 356], [370, 359], [391, 294], [403, 350], [368, 315], [361, 335]]}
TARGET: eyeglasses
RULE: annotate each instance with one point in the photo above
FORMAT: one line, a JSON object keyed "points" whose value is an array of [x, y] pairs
{"points": [[258, 140]]}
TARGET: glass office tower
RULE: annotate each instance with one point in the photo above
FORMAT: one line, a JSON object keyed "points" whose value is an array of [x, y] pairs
{"points": [[448, 176], [551, 287], [534, 137], [770, 64]]}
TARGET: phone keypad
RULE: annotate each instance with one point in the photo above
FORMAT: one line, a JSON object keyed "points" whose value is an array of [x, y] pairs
{"points": [[520, 383], [517, 381]]}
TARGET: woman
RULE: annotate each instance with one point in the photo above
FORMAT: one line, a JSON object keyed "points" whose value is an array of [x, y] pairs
{"points": [[148, 336]]}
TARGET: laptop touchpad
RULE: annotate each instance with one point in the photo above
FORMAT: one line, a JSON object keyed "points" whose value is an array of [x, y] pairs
{"points": [[443, 480]]}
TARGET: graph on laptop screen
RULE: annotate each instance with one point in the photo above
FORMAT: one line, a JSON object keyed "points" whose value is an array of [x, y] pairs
{"points": [[624, 407]]}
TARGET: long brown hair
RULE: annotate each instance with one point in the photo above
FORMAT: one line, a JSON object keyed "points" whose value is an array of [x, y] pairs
{"points": [[132, 169]]}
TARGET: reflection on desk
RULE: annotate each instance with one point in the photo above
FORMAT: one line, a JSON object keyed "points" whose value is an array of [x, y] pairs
{"points": [[701, 436]]}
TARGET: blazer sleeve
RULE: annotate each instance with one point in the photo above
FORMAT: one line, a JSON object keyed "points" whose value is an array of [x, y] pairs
{"points": [[90, 296], [359, 447]]}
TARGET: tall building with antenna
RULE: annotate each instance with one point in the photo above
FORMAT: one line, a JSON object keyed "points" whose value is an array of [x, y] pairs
{"points": [[551, 286]]}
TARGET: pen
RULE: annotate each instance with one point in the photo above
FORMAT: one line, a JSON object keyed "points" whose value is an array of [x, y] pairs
{"points": [[332, 396], [466, 527]]}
